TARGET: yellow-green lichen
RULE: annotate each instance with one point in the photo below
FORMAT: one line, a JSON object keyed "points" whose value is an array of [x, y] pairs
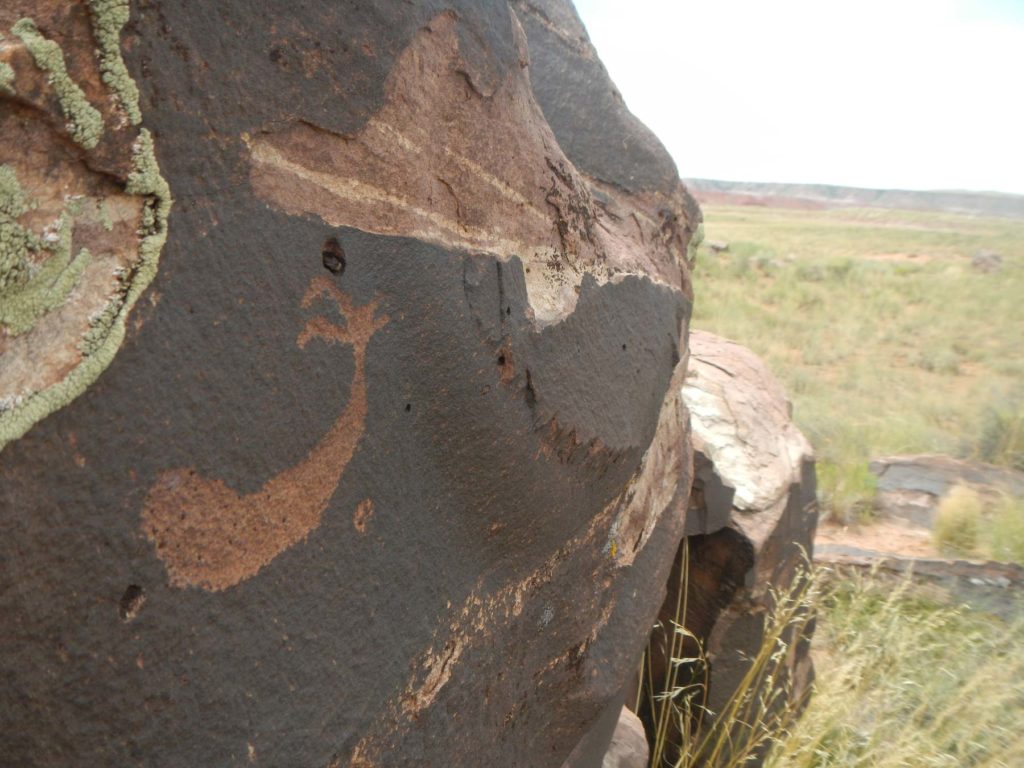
{"points": [[106, 328], [101, 325], [104, 216], [145, 178], [28, 291], [16, 242], [6, 78], [108, 18], [84, 122]]}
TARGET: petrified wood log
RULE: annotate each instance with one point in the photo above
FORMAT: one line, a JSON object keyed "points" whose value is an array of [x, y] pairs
{"points": [[367, 449]]}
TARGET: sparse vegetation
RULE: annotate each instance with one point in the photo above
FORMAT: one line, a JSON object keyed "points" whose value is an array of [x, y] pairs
{"points": [[969, 524], [887, 341], [958, 521], [904, 680], [763, 705], [886, 338], [1007, 530]]}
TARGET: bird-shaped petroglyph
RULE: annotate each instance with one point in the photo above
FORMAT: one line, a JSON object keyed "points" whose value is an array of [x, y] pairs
{"points": [[209, 535]]}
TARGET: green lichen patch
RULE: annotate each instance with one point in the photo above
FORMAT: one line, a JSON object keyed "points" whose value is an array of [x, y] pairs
{"points": [[29, 291], [6, 78], [37, 289], [16, 242], [102, 324], [13, 199], [47, 287], [84, 121], [145, 178], [104, 216], [108, 18]]}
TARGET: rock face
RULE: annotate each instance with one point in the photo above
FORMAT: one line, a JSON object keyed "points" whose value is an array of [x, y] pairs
{"points": [[370, 450], [752, 514], [987, 261], [910, 488], [629, 744]]}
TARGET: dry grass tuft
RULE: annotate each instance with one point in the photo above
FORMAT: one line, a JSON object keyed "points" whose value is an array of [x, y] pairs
{"points": [[958, 521], [905, 681]]}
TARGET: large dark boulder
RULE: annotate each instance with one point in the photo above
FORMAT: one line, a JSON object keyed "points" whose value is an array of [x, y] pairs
{"points": [[368, 450]]}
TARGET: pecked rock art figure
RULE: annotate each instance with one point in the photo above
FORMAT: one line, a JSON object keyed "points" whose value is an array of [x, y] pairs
{"points": [[341, 349]]}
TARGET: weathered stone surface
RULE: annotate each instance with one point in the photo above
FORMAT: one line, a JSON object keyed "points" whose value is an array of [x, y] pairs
{"points": [[987, 261], [910, 487], [750, 525], [742, 425], [629, 743], [393, 446]]}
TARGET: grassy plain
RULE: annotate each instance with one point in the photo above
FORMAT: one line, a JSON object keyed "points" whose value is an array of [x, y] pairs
{"points": [[888, 340], [885, 336], [905, 679]]}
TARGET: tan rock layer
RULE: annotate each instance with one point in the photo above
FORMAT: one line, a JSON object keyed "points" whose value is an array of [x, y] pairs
{"points": [[440, 163]]}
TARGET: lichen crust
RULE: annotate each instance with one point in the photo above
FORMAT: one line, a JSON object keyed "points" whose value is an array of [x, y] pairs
{"points": [[73, 264]]}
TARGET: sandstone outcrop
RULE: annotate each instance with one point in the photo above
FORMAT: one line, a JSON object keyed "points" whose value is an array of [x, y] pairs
{"points": [[368, 450], [910, 487], [751, 518]]}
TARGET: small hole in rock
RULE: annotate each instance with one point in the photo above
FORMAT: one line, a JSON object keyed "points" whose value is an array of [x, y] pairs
{"points": [[408, 407], [508, 311], [131, 602], [333, 256], [623, 347], [501, 359]]}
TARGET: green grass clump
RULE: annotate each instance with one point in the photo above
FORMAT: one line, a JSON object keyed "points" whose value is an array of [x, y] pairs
{"points": [[971, 524], [1007, 530], [847, 488], [902, 679], [958, 521], [1002, 435], [906, 681]]}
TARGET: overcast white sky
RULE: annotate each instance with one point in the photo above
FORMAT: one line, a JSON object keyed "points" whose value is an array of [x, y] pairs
{"points": [[911, 94]]}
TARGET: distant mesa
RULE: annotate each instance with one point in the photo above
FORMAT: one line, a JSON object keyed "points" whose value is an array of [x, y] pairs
{"points": [[821, 196]]}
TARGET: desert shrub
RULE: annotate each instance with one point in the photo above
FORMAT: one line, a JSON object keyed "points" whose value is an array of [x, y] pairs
{"points": [[846, 490], [943, 360], [1002, 435], [958, 521], [840, 270]]}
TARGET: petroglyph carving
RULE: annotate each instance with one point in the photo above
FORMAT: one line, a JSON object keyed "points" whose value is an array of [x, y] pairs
{"points": [[210, 536]]}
